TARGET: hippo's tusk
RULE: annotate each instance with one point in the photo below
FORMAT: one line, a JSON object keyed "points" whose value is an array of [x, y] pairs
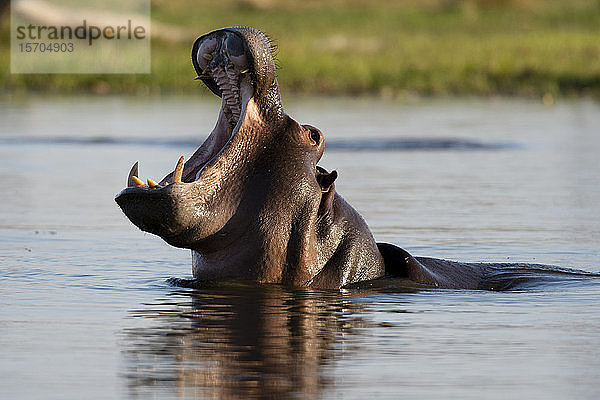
{"points": [[151, 183], [178, 170], [136, 181], [132, 174]]}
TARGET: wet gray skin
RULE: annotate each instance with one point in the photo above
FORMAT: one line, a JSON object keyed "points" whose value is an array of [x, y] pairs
{"points": [[251, 202]]}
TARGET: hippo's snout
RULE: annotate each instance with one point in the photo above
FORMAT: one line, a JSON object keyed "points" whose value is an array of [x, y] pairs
{"points": [[169, 212], [197, 198]]}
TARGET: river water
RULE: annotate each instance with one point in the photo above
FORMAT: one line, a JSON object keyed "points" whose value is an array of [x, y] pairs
{"points": [[87, 310]]}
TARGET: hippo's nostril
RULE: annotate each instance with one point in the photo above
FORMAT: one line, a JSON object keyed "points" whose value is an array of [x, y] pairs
{"points": [[234, 48], [233, 44]]}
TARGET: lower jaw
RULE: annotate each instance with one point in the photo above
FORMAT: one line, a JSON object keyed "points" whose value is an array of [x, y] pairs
{"points": [[212, 268]]}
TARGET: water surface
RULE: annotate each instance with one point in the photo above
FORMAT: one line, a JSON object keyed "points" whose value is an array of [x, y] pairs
{"points": [[87, 310]]}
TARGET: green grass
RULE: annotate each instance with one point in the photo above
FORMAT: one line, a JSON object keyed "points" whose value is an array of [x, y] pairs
{"points": [[523, 48]]}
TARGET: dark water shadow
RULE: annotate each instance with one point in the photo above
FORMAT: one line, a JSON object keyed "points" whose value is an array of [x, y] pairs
{"points": [[370, 144], [236, 340]]}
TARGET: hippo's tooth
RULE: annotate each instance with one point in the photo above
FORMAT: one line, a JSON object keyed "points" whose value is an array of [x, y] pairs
{"points": [[245, 71], [136, 181], [151, 183], [132, 173], [207, 57], [178, 170]]}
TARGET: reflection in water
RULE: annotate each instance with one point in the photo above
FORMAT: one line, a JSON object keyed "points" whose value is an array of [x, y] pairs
{"points": [[239, 342]]}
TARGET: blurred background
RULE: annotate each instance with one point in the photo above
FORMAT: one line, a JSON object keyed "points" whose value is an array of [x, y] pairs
{"points": [[529, 48]]}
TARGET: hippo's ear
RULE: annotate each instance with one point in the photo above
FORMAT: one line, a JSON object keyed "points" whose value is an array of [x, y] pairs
{"points": [[326, 179], [326, 182]]}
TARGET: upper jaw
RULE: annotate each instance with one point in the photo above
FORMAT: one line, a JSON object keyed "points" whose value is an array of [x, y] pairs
{"points": [[225, 65], [236, 64], [226, 61]]}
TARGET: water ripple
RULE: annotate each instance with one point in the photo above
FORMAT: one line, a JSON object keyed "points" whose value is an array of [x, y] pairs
{"points": [[370, 144]]}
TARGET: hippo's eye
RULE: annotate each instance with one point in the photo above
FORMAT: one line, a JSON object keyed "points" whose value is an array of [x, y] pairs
{"points": [[314, 136]]}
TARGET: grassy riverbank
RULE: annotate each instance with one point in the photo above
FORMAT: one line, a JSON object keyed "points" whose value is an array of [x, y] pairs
{"points": [[435, 47]]}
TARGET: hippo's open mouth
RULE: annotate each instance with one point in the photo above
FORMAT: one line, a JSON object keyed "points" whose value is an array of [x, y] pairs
{"points": [[237, 65], [224, 63]]}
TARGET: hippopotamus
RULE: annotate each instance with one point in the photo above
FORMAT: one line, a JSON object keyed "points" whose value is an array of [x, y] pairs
{"points": [[252, 204]]}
